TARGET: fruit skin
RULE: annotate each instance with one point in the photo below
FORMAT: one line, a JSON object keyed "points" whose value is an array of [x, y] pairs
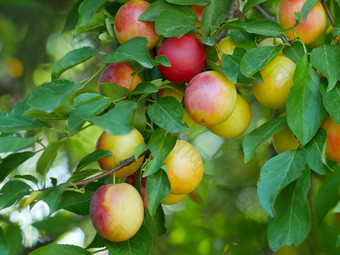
{"points": [[172, 199], [185, 168], [198, 9], [132, 181], [277, 80], [120, 73], [285, 140], [333, 139], [225, 46], [308, 31], [117, 211], [271, 41], [237, 123], [127, 25], [122, 147], [187, 58], [210, 98]]}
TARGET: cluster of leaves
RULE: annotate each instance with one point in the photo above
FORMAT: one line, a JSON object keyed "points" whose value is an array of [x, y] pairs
{"points": [[285, 178]]}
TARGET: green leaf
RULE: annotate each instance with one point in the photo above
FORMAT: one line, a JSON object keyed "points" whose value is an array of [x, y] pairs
{"points": [[213, 15], [113, 90], [161, 143], [27, 177], [117, 120], [307, 6], [243, 40], [14, 143], [144, 87], [172, 23], [87, 9], [189, 2], [84, 174], [156, 8], [134, 49], [53, 197], [168, 113], [251, 4], [71, 59], [11, 192], [338, 242], [86, 98], [230, 68], [139, 150], [93, 157], [336, 28], [77, 116], [12, 161], [156, 223], [162, 60], [326, 59], [57, 249], [328, 195], [260, 135], [294, 52], [292, 223], [261, 27], [72, 18], [255, 59], [331, 100], [316, 151], [157, 188], [276, 174], [12, 239], [49, 155], [79, 203], [9, 124], [48, 96], [305, 111]]}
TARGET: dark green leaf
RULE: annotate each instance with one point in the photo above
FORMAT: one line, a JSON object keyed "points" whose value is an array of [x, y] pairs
{"points": [[307, 6], [294, 52], [230, 68], [117, 120], [93, 157], [27, 177], [13, 240], [162, 60], [251, 4], [77, 116], [12, 161], [292, 223], [144, 87], [261, 134], [305, 111], [328, 195], [157, 188], [213, 15], [48, 96], [331, 100], [9, 124], [336, 28], [316, 150], [161, 143], [255, 59], [58, 249], [71, 59], [139, 150], [47, 158], [276, 174], [172, 23], [243, 39], [72, 18], [134, 49], [189, 2], [12, 191], [168, 113], [113, 90], [326, 60], [209, 40], [14, 143], [84, 174], [156, 8], [53, 197], [87, 9], [86, 98], [156, 223]]}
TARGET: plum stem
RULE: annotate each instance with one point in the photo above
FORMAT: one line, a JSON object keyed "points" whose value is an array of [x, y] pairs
{"points": [[328, 12]]}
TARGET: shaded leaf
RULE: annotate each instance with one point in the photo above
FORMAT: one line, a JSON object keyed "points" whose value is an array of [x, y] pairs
{"points": [[11, 162], [93, 157], [9, 124], [57, 249], [87, 9], [331, 100], [12, 191]]}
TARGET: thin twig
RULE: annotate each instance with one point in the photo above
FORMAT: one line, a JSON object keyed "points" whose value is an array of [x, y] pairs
{"points": [[328, 12], [233, 9], [267, 16]]}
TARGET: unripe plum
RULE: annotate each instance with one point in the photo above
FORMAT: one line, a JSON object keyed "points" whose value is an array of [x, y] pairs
{"points": [[237, 123], [172, 199], [185, 168], [210, 98], [127, 25], [333, 139], [307, 31], [277, 80], [122, 147], [187, 58], [285, 140], [120, 73], [117, 211]]}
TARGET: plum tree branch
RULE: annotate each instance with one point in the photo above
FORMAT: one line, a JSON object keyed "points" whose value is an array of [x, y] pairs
{"points": [[328, 12], [233, 9]]}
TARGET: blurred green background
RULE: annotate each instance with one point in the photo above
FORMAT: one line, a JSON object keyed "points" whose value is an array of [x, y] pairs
{"points": [[223, 217]]}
